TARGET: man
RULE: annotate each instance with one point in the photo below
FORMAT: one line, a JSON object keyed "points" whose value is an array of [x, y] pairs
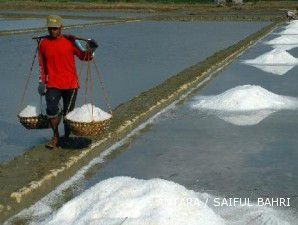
{"points": [[291, 15], [59, 77]]}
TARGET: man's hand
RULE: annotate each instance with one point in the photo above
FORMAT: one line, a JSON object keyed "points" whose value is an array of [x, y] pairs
{"points": [[42, 88], [92, 44]]}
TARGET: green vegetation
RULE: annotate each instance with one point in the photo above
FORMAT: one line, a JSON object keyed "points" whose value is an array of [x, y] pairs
{"points": [[148, 1], [199, 6], [130, 1]]}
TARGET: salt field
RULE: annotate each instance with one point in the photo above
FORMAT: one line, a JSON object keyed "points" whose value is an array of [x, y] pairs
{"points": [[193, 156], [87, 13], [132, 57], [21, 24]]}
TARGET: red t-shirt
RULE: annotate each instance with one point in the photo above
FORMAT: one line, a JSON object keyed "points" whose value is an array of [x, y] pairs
{"points": [[57, 62]]}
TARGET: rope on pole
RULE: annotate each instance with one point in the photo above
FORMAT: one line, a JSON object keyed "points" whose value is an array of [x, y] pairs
{"points": [[86, 83], [28, 79], [91, 85], [101, 82], [73, 93]]}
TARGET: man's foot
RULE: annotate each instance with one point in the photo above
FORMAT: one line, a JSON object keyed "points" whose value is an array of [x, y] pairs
{"points": [[55, 140], [54, 143]]}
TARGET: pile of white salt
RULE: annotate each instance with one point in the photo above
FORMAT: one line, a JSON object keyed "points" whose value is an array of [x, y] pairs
{"points": [[284, 40], [274, 57], [130, 201], [245, 105], [245, 98], [88, 113], [277, 61], [30, 111]]}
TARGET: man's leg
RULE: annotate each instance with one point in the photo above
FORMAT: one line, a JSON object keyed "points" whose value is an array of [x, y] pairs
{"points": [[53, 97], [69, 97]]}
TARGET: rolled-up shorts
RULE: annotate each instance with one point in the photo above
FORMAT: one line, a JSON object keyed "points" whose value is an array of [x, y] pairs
{"points": [[53, 97]]}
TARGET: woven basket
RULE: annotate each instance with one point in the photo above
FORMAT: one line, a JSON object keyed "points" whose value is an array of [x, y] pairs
{"points": [[88, 129], [35, 122]]}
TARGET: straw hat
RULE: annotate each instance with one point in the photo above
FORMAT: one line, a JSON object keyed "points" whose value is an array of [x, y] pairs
{"points": [[54, 21]]}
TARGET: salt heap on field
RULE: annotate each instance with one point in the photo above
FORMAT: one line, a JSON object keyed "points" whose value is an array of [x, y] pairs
{"points": [[244, 105], [30, 111], [273, 57], [88, 113], [292, 25], [291, 28], [284, 40], [285, 47], [245, 98], [277, 61], [275, 69], [141, 200], [287, 42], [130, 201], [289, 31]]}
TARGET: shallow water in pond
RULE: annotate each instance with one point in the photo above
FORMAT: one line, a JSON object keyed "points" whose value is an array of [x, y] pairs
{"points": [[208, 154], [22, 24]]}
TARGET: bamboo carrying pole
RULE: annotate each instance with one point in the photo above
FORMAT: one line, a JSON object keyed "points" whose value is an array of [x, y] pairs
{"points": [[67, 36]]}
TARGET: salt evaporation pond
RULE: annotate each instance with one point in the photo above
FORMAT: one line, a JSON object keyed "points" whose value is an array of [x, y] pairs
{"points": [[202, 152], [132, 57], [96, 14], [23, 24]]}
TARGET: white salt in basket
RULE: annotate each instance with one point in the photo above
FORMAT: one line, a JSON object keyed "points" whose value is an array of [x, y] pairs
{"points": [[88, 120], [31, 119]]}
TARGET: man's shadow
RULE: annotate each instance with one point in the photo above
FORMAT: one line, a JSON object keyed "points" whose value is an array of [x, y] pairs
{"points": [[75, 143]]}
